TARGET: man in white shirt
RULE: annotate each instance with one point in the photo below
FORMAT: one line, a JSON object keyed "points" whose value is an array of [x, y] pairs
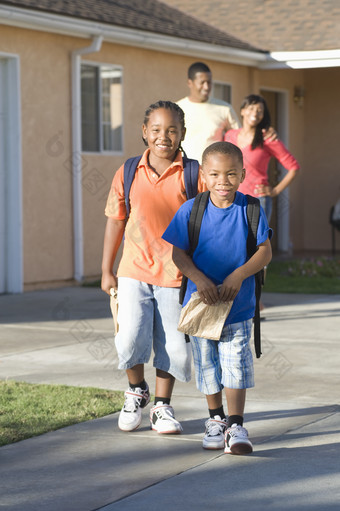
{"points": [[206, 119]]}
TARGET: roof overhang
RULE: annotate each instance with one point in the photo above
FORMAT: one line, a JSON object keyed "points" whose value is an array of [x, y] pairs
{"points": [[48, 22], [67, 25], [302, 59]]}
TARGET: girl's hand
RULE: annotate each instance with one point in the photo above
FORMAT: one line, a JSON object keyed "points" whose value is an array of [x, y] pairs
{"points": [[230, 287], [109, 280], [263, 191], [207, 290]]}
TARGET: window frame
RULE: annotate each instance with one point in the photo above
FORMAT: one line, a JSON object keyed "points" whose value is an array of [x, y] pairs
{"points": [[102, 151], [228, 84]]}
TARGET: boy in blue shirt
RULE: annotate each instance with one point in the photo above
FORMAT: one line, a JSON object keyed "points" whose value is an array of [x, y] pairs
{"points": [[219, 270]]}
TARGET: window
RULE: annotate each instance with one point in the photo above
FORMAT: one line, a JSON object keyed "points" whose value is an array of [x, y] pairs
{"points": [[221, 91], [101, 108]]}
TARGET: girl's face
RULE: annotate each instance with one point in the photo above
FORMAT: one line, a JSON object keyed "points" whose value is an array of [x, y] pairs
{"points": [[253, 114], [163, 133]]}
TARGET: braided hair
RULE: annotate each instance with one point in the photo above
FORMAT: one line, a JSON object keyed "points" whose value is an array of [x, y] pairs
{"points": [[168, 105]]}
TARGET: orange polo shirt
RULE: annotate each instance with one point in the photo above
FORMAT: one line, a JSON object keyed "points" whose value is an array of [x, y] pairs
{"points": [[154, 200]]}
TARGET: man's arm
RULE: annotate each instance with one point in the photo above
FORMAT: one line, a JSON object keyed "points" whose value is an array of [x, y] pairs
{"points": [[270, 134], [112, 239], [232, 284]]}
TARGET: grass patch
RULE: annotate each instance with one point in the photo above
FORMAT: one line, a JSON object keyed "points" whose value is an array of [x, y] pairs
{"points": [[319, 275], [92, 283], [312, 275], [28, 410]]}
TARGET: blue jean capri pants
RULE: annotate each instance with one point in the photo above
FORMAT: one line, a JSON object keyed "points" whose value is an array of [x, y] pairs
{"points": [[148, 317]]}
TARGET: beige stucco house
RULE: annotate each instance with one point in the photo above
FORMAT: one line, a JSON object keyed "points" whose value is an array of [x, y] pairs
{"points": [[75, 80]]}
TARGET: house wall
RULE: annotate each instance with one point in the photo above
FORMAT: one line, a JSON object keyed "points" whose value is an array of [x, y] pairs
{"points": [[45, 117], [45, 63], [321, 146]]}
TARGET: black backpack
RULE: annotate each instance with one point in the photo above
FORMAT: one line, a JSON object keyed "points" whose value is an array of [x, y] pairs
{"points": [[253, 215], [190, 168]]}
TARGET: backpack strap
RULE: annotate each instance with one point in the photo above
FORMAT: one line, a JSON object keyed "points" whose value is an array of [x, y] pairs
{"points": [[190, 168], [130, 167], [194, 227], [253, 216]]}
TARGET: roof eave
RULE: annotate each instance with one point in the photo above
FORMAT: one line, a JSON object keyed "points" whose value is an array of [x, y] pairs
{"points": [[302, 59], [48, 22]]}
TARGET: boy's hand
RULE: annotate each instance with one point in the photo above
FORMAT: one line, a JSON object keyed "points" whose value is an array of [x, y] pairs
{"points": [[230, 287], [207, 290], [109, 280]]}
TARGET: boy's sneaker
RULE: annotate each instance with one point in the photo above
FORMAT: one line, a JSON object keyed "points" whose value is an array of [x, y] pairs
{"points": [[214, 433], [162, 419], [130, 416], [237, 441]]}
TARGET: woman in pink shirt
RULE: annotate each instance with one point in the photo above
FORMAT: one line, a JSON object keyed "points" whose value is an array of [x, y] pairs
{"points": [[257, 152]]}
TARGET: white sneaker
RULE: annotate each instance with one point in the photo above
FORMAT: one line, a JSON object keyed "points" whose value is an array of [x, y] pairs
{"points": [[130, 416], [237, 441], [214, 433], [162, 419]]}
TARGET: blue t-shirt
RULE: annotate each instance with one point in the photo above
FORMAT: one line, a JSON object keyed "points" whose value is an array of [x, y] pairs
{"points": [[222, 247]]}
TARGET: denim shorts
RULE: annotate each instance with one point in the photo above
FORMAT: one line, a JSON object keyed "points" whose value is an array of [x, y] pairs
{"points": [[148, 317], [224, 363]]}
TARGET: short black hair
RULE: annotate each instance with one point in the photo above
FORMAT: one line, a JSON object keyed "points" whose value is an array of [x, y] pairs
{"points": [[168, 105], [197, 67], [223, 148]]}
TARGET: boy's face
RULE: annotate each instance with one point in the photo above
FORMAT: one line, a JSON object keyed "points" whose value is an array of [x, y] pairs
{"points": [[222, 174], [200, 87]]}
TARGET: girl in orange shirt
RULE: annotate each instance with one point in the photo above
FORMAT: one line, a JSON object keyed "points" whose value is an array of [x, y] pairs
{"points": [[148, 281]]}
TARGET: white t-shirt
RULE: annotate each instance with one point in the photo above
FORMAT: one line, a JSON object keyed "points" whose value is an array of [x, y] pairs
{"points": [[206, 123]]}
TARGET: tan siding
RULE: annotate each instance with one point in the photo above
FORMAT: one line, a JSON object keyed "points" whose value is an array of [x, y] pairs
{"points": [[45, 64]]}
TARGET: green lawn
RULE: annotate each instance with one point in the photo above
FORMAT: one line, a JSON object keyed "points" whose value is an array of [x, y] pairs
{"points": [[309, 275], [28, 410], [312, 275]]}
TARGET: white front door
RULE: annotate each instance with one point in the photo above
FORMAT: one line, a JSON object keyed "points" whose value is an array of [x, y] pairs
{"points": [[11, 273]]}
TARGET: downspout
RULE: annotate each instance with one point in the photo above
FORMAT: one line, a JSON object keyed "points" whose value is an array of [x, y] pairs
{"points": [[78, 239]]}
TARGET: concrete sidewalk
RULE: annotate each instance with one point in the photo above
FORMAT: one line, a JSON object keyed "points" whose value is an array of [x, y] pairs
{"points": [[65, 336]]}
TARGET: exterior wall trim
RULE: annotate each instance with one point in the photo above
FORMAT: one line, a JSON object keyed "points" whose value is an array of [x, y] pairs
{"points": [[13, 215], [78, 236]]}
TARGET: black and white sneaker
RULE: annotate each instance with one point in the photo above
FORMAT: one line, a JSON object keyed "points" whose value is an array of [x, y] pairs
{"points": [[130, 416], [162, 419], [237, 441], [214, 433]]}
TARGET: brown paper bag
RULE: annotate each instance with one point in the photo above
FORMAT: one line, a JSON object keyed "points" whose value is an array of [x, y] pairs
{"points": [[202, 320], [114, 307]]}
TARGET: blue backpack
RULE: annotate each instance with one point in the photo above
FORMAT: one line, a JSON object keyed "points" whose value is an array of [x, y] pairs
{"points": [[190, 168]]}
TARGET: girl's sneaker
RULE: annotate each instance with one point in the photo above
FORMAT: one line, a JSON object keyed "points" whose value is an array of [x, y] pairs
{"points": [[162, 419], [130, 416], [214, 433], [237, 441]]}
